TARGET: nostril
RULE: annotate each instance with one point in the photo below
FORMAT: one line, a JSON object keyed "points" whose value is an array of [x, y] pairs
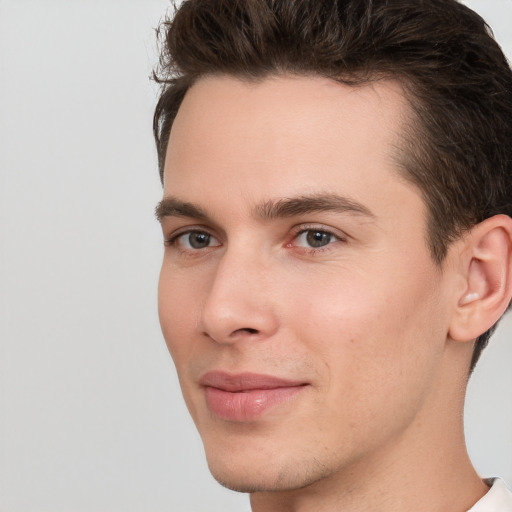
{"points": [[249, 330]]}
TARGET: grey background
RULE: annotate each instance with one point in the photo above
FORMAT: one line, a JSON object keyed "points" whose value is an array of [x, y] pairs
{"points": [[91, 417]]}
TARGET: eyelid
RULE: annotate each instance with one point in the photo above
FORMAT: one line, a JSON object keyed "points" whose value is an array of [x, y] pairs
{"points": [[302, 228], [340, 236], [170, 240]]}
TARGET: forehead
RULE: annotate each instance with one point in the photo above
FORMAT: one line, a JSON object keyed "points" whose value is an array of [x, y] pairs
{"points": [[285, 136]]}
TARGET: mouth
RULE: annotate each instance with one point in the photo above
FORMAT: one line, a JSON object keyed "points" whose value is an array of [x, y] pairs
{"points": [[246, 396]]}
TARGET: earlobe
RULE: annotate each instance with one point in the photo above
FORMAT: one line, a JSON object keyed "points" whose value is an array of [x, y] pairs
{"points": [[486, 264]]}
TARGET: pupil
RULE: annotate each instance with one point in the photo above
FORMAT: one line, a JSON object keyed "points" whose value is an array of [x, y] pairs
{"points": [[199, 240], [318, 238]]}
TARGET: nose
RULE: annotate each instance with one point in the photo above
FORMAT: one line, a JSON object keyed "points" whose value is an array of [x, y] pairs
{"points": [[239, 304]]}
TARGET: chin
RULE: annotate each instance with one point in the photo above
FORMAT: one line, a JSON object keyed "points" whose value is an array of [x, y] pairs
{"points": [[243, 473], [248, 482]]}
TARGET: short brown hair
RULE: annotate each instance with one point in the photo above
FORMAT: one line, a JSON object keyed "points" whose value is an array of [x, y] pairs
{"points": [[456, 78]]}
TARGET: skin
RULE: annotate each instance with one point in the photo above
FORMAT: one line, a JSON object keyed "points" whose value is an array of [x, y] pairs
{"points": [[363, 320]]}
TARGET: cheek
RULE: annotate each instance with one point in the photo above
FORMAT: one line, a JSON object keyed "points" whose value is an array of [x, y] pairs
{"points": [[179, 299], [374, 358], [366, 303], [373, 333]]}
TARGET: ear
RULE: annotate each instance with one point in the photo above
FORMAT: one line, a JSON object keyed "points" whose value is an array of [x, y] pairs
{"points": [[486, 266]]}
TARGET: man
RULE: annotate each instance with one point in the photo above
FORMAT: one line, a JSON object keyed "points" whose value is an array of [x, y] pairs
{"points": [[338, 235]]}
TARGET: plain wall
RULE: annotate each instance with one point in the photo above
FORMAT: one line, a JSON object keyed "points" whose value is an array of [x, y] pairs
{"points": [[91, 416]]}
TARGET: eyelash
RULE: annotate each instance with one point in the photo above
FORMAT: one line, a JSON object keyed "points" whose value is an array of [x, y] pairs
{"points": [[172, 241], [315, 228]]}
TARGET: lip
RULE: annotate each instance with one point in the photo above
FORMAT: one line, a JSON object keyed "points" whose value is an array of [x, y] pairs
{"points": [[246, 396]]}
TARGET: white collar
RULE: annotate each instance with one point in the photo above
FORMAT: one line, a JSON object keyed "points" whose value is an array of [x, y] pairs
{"points": [[498, 499]]}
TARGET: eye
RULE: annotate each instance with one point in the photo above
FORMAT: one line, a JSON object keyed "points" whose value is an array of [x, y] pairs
{"points": [[315, 238], [193, 240]]}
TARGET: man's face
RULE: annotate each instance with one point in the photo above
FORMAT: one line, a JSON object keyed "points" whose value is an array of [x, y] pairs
{"points": [[297, 296]]}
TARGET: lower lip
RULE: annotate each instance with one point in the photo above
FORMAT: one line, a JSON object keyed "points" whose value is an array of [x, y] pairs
{"points": [[247, 405]]}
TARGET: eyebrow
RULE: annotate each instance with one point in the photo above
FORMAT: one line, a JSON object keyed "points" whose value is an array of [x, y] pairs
{"points": [[316, 203], [172, 207], [271, 209]]}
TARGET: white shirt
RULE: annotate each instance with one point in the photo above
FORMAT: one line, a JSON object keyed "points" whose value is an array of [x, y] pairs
{"points": [[498, 499]]}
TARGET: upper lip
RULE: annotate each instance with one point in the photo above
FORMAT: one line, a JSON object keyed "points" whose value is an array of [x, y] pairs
{"points": [[245, 381]]}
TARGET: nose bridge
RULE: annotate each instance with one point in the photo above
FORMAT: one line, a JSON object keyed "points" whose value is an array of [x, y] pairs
{"points": [[238, 304]]}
